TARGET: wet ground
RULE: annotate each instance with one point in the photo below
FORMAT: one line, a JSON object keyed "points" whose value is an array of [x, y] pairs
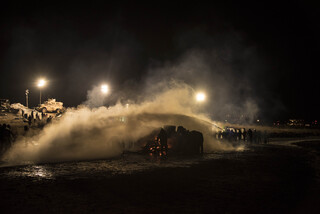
{"points": [[275, 178]]}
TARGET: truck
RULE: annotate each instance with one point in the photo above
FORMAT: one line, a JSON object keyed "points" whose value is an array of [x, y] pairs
{"points": [[51, 105]]}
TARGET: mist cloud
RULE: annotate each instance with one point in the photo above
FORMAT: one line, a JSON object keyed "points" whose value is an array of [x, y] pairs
{"points": [[163, 96], [93, 133]]}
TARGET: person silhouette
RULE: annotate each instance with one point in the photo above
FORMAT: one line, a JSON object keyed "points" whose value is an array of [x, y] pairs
{"points": [[250, 134], [163, 137]]}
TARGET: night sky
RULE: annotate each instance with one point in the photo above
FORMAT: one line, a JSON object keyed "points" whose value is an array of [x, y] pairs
{"points": [[266, 51]]}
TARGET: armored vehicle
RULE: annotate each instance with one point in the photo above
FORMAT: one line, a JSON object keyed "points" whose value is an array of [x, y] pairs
{"points": [[51, 105]]}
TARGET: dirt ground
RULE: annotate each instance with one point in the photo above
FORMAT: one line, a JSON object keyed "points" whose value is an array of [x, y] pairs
{"points": [[265, 179]]}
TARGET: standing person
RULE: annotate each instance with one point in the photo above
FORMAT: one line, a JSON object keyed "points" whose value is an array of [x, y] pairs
{"points": [[254, 136], [239, 134], [6, 138], [259, 136], [29, 120], [196, 138], [163, 137], [49, 119], [244, 134], [265, 137], [25, 129], [2, 138], [181, 138], [34, 114], [250, 135]]}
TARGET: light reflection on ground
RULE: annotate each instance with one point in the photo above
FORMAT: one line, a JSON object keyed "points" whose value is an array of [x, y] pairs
{"points": [[126, 164], [33, 171]]}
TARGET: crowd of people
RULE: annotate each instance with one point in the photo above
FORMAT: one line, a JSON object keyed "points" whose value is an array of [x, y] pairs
{"points": [[36, 117], [241, 134], [180, 141], [8, 136]]}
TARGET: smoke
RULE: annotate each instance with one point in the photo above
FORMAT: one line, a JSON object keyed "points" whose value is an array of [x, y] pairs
{"points": [[229, 90], [164, 96], [94, 133], [95, 97]]}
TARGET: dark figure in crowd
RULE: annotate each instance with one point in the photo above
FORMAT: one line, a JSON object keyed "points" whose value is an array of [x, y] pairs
{"points": [[219, 135], [238, 134], [244, 134], [254, 136], [258, 137], [181, 130], [29, 120], [34, 117], [22, 112], [197, 140], [250, 135], [224, 135], [49, 119], [231, 135], [265, 137], [6, 138], [181, 139], [25, 130], [163, 137], [235, 135]]}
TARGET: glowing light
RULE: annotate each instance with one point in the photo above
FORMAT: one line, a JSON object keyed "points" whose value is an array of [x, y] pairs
{"points": [[104, 89], [41, 83], [200, 97]]}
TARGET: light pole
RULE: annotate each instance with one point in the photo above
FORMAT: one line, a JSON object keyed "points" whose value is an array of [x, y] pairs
{"points": [[27, 93], [41, 83]]}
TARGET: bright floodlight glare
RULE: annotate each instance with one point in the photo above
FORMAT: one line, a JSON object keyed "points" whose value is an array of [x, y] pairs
{"points": [[104, 89], [41, 83], [200, 97]]}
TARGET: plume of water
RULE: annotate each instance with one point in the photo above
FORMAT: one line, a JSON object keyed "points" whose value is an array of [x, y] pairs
{"points": [[94, 133]]}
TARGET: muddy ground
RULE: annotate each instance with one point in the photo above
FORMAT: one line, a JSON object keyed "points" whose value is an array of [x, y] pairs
{"points": [[262, 179]]}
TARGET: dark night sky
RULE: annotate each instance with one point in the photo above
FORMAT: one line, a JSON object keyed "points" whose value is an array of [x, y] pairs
{"points": [[271, 46]]}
